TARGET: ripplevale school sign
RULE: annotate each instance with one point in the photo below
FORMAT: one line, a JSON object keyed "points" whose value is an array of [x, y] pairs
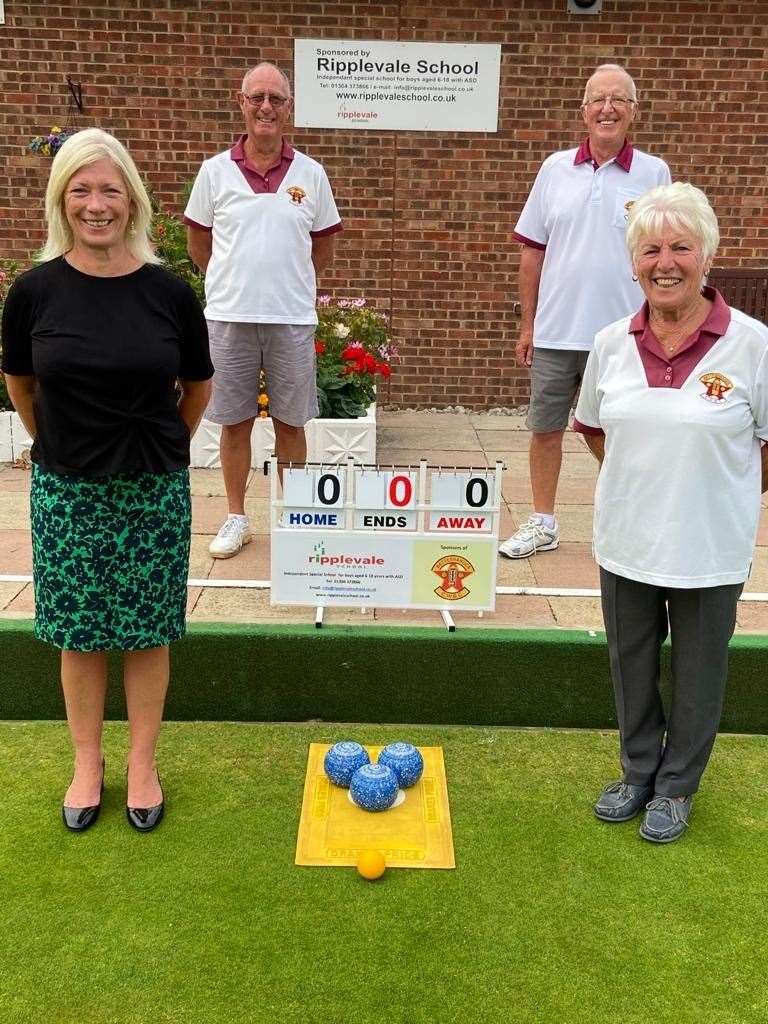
{"points": [[441, 87]]}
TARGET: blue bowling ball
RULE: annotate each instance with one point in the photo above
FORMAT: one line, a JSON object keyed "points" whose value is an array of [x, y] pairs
{"points": [[374, 787], [405, 761], [342, 761]]}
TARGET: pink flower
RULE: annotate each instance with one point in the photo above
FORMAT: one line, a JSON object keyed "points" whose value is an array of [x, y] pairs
{"points": [[323, 300]]}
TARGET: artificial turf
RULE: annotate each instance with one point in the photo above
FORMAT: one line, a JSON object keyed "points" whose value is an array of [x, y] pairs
{"points": [[550, 915]]}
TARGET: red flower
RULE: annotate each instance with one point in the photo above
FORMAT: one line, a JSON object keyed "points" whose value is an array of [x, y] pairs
{"points": [[354, 351], [384, 369], [319, 347], [368, 363]]}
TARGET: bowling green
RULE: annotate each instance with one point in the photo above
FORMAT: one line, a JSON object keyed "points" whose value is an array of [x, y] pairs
{"points": [[549, 915]]}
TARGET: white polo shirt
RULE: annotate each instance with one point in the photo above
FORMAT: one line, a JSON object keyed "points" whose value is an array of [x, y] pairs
{"points": [[678, 496], [261, 267], [577, 214]]}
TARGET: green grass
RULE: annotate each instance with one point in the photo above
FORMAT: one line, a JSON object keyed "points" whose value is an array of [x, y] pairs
{"points": [[550, 915]]}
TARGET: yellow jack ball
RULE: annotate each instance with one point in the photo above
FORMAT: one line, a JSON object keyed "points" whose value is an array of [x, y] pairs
{"points": [[371, 865]]}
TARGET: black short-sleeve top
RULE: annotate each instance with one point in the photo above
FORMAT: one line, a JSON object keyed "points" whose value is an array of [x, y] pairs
{"points": [[106, 353]]}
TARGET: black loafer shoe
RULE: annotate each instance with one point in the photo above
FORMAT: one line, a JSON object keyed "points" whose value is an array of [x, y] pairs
{"points": [[144, 819], [78, 819]]}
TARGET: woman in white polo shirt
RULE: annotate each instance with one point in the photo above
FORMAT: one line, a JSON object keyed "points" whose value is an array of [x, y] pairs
{"points": [[674, 405]]}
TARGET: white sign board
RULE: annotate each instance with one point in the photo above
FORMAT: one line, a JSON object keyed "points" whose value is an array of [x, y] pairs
{"points": [[379, 85], [385, 538]]}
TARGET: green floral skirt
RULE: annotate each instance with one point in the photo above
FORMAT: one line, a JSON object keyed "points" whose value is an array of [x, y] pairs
{"points": [[110, 557]]}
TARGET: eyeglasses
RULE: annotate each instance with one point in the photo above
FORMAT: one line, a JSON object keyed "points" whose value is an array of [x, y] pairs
{"points": [[618, 102], [258, 98]]}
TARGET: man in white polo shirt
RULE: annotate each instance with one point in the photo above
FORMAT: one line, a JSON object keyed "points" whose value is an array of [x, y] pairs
{"points": [[261, 221], [575, 277]]}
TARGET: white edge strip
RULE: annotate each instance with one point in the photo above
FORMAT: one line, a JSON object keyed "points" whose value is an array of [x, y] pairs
{"points": [[506, 591]]}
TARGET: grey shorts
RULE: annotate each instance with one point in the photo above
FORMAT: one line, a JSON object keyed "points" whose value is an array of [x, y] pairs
{"points": [[555, 379], [287, 354]]}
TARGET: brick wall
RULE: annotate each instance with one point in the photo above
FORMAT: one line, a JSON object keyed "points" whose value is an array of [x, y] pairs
{"points": [[428, 215]]}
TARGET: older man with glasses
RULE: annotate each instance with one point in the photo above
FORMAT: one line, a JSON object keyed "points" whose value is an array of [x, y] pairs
{"points": [[261, 221], [575, 277]]}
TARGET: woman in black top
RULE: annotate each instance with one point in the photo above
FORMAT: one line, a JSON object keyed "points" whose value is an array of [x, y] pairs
{"points": [[98, 341]]}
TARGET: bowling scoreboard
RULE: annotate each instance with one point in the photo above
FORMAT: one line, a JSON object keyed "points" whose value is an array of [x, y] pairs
{"points": [[385, 537]]}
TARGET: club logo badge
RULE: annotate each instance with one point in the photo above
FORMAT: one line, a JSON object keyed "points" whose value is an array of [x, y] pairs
{"points": [[297, 194], [628, 206], [717, 387], [452, 571]]}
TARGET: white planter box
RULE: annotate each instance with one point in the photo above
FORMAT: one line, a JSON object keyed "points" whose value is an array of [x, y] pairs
{"points": [[14, 439], [327, 441]]}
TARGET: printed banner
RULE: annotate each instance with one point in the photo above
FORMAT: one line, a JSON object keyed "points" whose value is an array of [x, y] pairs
{"points": [[312, 567], [379, 85]]}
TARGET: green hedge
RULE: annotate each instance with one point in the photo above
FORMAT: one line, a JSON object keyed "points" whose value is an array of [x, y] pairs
{"points": [[297, 673]]}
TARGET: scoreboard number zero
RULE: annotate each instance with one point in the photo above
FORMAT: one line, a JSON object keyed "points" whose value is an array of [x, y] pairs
{"points": [[462, 501]]}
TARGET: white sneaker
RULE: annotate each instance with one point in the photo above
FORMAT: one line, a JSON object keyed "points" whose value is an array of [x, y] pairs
{"points": [[232, 534], [531, 537]]}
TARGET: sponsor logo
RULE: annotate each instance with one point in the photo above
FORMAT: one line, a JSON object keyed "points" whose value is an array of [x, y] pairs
{"points": [[452, 571], [716, 387], [297, 194]]}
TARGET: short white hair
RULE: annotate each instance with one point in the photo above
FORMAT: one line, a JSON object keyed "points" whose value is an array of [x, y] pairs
{"points": [[683, 207], [274, 67], [619, 70], [80, 150]]}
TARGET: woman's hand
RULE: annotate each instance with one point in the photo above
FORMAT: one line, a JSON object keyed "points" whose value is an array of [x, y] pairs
{"points": [[21, 391], [195, 395]]}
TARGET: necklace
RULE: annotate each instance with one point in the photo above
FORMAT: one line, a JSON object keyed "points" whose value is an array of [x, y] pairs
{"points": [[680, 330]]}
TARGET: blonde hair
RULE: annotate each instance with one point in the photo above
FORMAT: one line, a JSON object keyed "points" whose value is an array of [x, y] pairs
{"points": [[79, 150], [683, 207]]}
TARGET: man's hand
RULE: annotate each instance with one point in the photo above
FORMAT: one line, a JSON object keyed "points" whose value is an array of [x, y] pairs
{"points": [[531, 263], [524, 347], [199, 247]]}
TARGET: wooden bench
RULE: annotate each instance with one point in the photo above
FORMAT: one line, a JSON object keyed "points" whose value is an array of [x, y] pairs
{"points": [[747, 290]]}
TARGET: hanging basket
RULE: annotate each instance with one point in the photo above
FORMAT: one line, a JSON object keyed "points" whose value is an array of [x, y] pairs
{"points": [[50, 144]]}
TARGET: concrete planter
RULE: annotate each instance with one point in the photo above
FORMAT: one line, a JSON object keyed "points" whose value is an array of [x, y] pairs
{"points": [[327, 441], [14, 439]]}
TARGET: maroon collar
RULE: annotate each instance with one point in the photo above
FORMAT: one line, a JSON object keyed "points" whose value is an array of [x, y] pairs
{"points": [[237, 153], [623, 158], [665, 371]]}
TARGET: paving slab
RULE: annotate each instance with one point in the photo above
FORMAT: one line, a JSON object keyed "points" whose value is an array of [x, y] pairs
{"points": [[14, 510], [9, 591], [445, 437], [15, 552]]}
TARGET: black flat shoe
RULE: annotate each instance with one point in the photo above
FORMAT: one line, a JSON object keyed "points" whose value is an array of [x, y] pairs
{"points": [[144, 819], [78, 819]]}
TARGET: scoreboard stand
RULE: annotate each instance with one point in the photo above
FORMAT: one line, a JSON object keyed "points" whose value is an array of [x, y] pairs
{"points": [[415, 537]]}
